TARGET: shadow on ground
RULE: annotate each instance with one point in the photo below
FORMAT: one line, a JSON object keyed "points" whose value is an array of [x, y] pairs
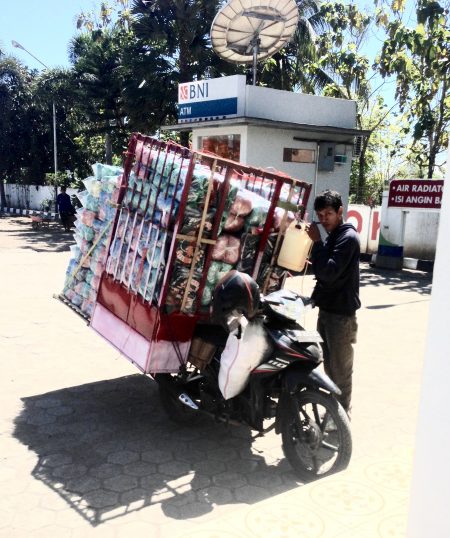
{"points": [[108, 449], [51, 238], [398, 280]]}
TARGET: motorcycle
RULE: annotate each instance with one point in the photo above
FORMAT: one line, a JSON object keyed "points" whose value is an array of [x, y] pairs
{"points": [[287, 388]]}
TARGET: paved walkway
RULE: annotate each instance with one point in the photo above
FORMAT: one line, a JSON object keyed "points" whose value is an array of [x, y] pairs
{"points": [[86, 450]]}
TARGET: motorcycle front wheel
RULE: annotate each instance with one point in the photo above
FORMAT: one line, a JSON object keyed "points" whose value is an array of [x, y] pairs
{"points": [[315, 433]]}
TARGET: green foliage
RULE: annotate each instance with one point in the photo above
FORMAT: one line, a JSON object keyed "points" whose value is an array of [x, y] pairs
{"points": [[419, 58], [338, 55], [288, 68], [16, 117], [46, 204], [178, 31], [99, 76], [338, 51]]}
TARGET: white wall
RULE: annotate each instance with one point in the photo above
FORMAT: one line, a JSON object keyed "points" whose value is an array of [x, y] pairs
{"points": [[366, 220], [339, 179], [421, 229], [29, 196], [263, 147], [428, 514], [293, 107]]}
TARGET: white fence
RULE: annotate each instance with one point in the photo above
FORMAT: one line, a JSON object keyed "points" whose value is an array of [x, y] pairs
{"points": [[30, 196]]}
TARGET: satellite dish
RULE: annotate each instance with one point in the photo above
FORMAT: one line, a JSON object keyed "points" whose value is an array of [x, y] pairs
{"points": [[245, 31]]}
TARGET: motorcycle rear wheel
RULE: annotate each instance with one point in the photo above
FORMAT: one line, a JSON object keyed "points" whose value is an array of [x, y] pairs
{"points": [[316, 436]]}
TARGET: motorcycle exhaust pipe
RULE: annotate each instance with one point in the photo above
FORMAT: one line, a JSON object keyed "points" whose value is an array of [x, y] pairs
{"points": [[167, 382], [186, 400]]}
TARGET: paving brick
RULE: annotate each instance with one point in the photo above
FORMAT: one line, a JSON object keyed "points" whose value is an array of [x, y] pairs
{"points": [[121, 483], [63, 419]]}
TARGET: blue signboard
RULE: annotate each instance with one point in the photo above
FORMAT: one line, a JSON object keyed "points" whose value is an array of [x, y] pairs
{"points": [[207, 110]]}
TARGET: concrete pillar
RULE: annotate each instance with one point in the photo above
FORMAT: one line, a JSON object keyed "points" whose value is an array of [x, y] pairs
{"points": [[430, 494], [392, 235]]}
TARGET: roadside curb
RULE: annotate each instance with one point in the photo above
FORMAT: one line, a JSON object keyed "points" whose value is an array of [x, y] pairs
{"points": [[415, 264], [419, 265], [11, 211]]}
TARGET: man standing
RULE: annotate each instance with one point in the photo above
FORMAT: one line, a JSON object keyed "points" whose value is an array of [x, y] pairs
{"points": [[335, 262], [65, 208]]}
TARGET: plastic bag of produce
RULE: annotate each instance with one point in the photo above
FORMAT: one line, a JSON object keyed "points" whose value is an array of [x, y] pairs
{"points": [[226, 249], [87, 217], [178, 286], [249, 246], [93, 186], [85, 232], [278, 218], [82, 196], [73, 297], [87, 307], [102, 171]]}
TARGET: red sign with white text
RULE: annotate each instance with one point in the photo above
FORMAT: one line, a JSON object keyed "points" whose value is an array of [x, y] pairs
{"points": [[416, 193]]}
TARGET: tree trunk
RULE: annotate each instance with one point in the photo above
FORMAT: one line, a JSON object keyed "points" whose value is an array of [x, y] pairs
{"points": [[108, 149], [185, 76], [2, 194], [361, 172], [431, 157], [184, 138]]}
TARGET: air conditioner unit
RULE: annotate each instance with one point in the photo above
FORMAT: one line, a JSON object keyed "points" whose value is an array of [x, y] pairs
{"points": [[340, 159]]}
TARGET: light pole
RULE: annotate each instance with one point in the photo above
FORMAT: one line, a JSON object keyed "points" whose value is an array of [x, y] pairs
{"points": [[55, 152]]}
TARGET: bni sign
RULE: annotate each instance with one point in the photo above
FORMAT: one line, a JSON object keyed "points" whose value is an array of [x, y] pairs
{"points": [[416, 193], [212, 99]]}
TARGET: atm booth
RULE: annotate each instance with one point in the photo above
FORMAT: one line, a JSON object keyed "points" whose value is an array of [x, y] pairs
{"points": [[309, 137]]}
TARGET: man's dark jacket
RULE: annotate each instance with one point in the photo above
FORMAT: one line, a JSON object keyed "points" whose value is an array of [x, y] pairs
{"points": [[336, 267]]}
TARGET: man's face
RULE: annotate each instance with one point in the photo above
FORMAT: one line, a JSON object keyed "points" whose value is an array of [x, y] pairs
{"points": [[329, 218]]}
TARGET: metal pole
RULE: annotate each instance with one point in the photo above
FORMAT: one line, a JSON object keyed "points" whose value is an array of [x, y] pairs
{"points": [[256, 41], [55, 154]]}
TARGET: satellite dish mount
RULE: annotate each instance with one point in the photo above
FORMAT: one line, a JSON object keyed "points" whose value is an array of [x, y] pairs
{"points": [[255, 43]]}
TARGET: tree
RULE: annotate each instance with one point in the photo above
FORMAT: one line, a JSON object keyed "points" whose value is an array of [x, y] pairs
{"points": [[381, 161], [59, 86], [179, 29], [419, 58], [129, 83], [15, 99], [150, 92], [176, 33], [339, 55], [26, 125], [285, 70], [99, 77]]}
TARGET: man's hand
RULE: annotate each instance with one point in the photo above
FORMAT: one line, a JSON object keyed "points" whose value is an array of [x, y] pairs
{"points": [[313, 231]]}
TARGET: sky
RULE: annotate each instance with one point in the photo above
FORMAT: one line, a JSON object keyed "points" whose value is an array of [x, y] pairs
{"points": [[44, 27]]}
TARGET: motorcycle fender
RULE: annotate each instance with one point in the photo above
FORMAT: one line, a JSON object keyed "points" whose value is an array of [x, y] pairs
{"points": [[314, 378], [295, 378]]}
